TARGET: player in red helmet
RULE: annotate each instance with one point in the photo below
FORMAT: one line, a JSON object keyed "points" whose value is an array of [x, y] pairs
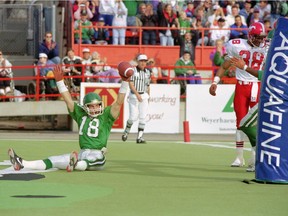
{"points": [[247, 88], [257, 34]]}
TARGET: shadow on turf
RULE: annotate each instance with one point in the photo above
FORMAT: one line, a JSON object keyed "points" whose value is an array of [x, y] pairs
{"points": [[159, 169], [22, 177]]}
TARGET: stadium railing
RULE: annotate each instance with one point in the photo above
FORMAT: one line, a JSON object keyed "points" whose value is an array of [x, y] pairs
{"points": [[33, 91]]}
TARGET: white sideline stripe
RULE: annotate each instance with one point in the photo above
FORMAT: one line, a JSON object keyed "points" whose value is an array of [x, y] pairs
{"points": [[222, 144], [212, 144]]}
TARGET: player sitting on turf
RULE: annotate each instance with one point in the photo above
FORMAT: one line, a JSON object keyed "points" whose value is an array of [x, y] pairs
{"points": [[94, 123]]}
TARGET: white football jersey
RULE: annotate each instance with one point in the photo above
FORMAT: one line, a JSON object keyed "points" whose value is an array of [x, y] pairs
{"points": [[254, 57]]}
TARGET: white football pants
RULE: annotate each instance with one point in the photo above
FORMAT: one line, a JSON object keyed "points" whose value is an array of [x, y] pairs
{"points": [[138, 110]]}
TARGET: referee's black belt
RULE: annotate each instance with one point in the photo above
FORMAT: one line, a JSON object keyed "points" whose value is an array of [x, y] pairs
{"points": [[138, 92]]}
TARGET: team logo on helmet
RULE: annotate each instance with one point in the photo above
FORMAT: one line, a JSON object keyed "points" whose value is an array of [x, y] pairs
{"points": [[257, 34]]}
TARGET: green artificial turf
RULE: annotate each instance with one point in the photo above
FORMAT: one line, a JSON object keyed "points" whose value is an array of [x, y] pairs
{"points": [[158, 178]]}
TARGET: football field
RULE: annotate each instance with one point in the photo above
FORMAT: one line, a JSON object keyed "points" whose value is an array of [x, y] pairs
{"points": [[164, 177]]}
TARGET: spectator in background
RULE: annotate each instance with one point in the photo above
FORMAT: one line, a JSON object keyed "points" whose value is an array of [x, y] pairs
{"points": [[5, 72], [154, 4], [230, 18], [267, 25], [264, 9], [190, 9], [184, 24], [149, 19], [188, 44], [86, 61], [106, 10], [72, 67], [105, 72], [166, 18], [276, 10], [218, 54], [94, 7], [238, 30], [207, 8], [220, 32], [255, 17], [132, 19], [46, 70], [85, 26], [218, 13], [185, 70], [201, 22], [119, 20], [246, 10], [141, 10], [50, 48], [101, 35], [156, 73], [83, 7]]}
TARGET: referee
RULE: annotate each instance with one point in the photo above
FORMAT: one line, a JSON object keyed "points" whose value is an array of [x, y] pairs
{"points": [[138, 98]]}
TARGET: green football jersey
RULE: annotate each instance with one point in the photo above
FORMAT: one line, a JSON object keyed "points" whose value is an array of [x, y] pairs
{"points": [[93, 132]]}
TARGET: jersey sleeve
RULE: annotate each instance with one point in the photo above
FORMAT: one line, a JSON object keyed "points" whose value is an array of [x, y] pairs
{"points": [[78, 112], [107, 113], [232, 47]]}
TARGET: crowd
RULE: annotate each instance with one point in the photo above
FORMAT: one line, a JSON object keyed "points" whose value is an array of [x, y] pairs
{"points": [[165, 22]]}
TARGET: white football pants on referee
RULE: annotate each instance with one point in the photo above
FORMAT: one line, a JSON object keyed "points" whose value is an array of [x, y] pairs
{"points": [[138, 110]]}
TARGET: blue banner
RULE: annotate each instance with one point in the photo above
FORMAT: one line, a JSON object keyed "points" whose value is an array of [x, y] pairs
{"points": [[272, 134]]}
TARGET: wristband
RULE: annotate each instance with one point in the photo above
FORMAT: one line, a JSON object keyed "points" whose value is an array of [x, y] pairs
{"points": [[124, 87], [245, 67], [61, 86], [216, 80]]}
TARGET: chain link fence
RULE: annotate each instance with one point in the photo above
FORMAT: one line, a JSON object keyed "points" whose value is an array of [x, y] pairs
{"points": [[20, 28]]}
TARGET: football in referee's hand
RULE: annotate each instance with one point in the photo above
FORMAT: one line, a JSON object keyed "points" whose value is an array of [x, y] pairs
{"points": [[125, 70]]}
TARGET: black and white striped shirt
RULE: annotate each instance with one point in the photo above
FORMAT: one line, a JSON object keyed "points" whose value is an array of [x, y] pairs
{"points": [[141, 79]]}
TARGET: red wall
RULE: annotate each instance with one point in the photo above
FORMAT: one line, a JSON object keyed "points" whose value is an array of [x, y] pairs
{"points": [[164, 55]]}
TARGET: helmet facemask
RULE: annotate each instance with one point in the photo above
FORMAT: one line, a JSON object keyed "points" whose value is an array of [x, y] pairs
{"points": [[258, 40], [93, 105], [94, 112]]}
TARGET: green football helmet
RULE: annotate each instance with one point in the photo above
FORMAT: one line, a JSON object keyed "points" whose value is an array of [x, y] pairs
{"points": [[93, 99]]}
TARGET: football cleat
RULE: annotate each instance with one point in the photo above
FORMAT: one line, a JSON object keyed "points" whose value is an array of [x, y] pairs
{"points": [[251, 162], [124, 137], [15, 160], [238, 162], [141, 140], [73, 161], [250, 169]]}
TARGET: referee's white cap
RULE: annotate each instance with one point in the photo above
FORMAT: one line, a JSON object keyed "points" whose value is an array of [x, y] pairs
{"points": [[142, 57]]}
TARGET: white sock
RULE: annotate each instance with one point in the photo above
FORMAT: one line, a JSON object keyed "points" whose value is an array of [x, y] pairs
{"points": [[140, 134], [35, 165], [253, 154], [239, 143]]}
